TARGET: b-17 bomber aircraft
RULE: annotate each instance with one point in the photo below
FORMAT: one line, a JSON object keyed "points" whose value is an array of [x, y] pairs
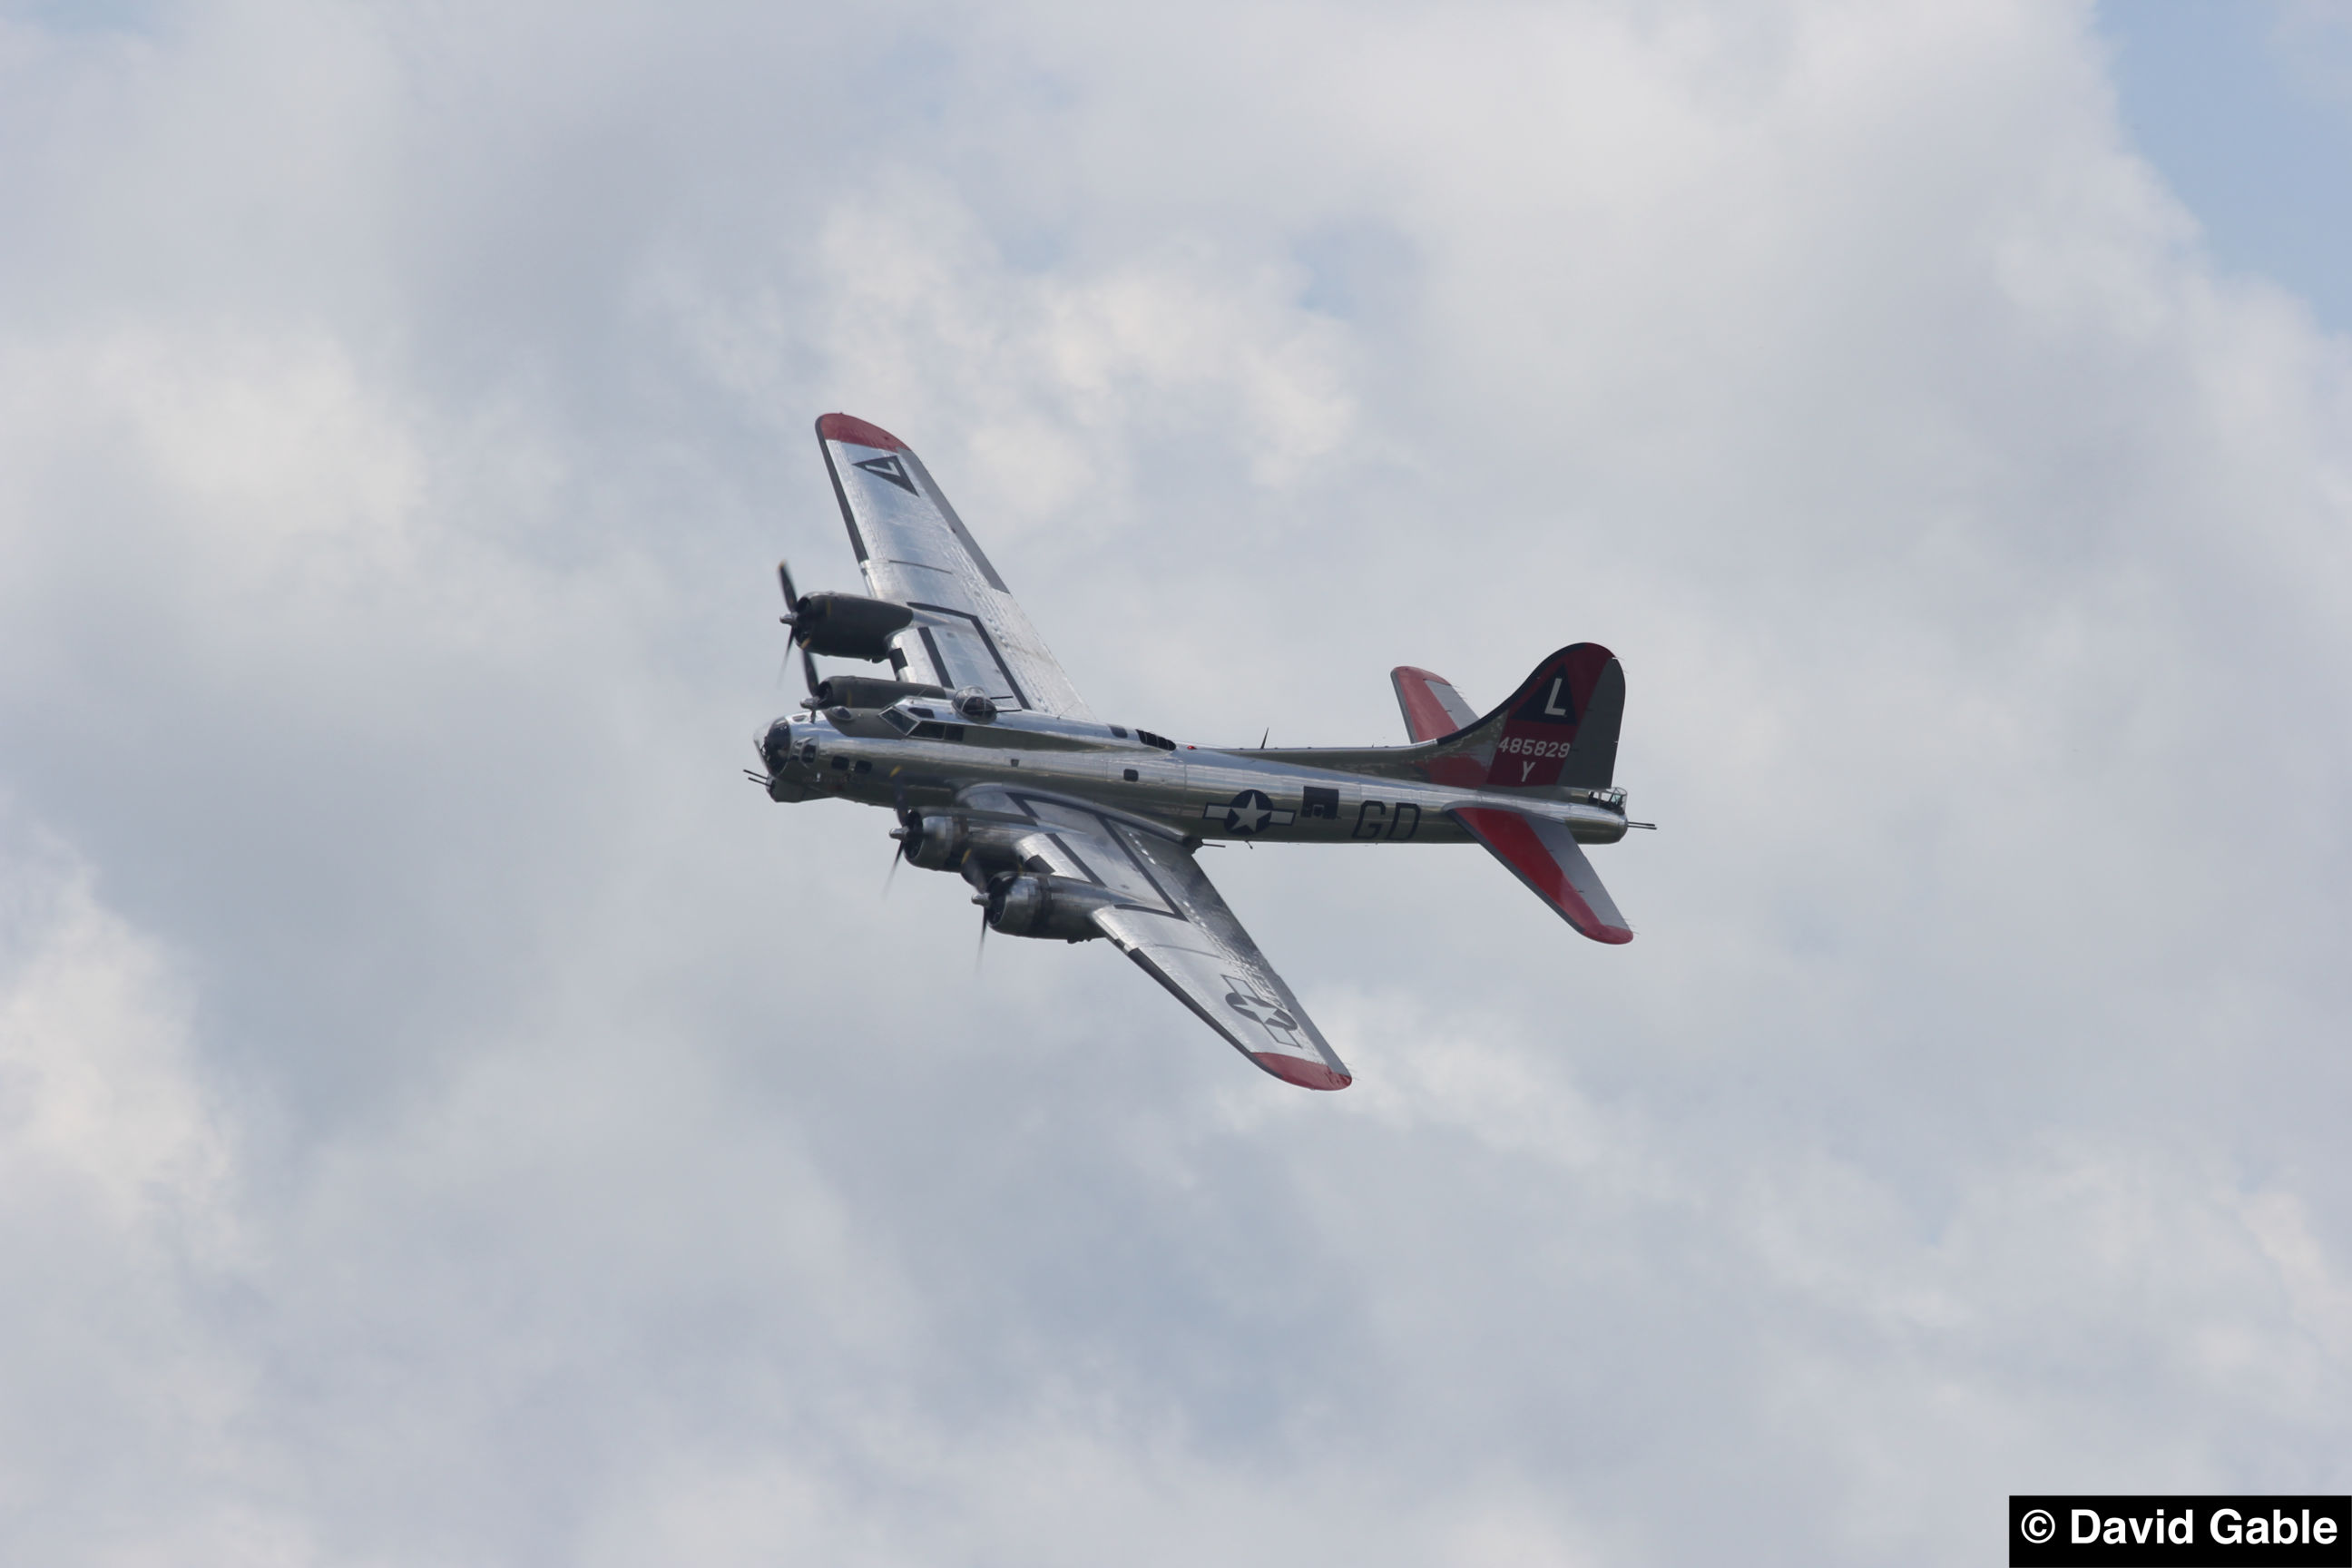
{"points": [[1070, 828]]}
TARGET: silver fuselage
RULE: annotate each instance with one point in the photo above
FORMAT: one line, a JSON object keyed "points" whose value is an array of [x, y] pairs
{"points": [[918, 755]]}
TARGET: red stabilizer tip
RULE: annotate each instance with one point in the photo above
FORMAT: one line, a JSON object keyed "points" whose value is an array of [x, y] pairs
{"points": [[1298, 1071], [1506, 833], [1428, 715], [856, 432]]}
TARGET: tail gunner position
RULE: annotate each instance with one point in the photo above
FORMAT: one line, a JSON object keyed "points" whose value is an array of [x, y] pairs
{"points": [[1070, 828]]}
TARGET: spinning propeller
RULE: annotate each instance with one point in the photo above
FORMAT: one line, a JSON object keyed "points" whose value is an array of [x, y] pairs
{"points": [[990, 903], [908, 834], [796, 608]]}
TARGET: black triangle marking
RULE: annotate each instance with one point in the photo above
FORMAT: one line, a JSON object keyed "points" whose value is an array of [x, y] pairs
{"points": [[889, 468]]}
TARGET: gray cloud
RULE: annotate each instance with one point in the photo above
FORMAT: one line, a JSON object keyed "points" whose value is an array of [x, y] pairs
{"points": [[449, 1116]]}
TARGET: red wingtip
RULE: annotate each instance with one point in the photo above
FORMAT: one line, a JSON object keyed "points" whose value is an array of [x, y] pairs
{"points": [[1298, 1070], [856, 432]]}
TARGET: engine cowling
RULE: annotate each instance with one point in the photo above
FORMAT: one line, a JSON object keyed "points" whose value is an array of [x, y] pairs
{"points": [[843, 625], [1042, 905], [935, 842], [865, 691]]}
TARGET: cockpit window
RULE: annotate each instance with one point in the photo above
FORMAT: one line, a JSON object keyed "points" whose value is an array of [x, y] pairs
{"points": [[1149, 739], [926, 728]]}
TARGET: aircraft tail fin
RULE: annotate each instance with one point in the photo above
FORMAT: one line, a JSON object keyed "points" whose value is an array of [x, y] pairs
{"points": [[1545, 856], [1558, 730]]}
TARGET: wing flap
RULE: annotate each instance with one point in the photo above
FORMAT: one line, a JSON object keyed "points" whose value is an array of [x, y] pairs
{"points": [[1545, 856]]}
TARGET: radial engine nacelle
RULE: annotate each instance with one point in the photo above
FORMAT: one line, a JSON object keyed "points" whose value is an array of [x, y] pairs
{"points": [[865, 691], [945, 840], [936, 841], [1043, 906], [843, 625]]}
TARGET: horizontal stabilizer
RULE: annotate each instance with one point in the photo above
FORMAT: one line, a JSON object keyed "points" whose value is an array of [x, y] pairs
{"points": [[1545, 856], [1432, 709]]}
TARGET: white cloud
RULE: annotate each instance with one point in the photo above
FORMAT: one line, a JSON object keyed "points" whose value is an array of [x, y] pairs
{"points": [[103, 1113], [119, 1225], [476, 1126]]}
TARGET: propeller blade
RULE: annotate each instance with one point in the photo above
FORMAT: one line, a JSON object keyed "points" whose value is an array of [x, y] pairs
{"points": [[791, 617], [905, 834]]}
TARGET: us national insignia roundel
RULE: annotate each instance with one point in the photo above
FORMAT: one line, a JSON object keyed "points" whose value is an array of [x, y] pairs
{"points": [[1245, 998], [1247, 812]]}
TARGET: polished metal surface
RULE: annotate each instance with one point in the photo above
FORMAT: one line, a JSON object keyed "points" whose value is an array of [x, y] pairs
{"points": [[879, 757], [1070, 829]]}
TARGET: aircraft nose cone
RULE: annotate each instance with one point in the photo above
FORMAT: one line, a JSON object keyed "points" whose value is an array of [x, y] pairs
{"points": [[776, 746]]}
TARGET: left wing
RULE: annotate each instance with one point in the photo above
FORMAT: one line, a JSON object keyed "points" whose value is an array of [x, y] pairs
{"points": [[914, 551], [1164, 913]]}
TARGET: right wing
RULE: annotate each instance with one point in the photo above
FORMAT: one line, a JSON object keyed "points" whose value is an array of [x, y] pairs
{"points": [[1167, 916], [914, 551]]}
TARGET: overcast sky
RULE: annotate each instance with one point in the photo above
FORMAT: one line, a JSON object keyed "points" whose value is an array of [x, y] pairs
{"points": [[449, 1116]]}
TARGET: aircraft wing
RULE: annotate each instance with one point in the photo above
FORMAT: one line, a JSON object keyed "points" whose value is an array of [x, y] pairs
{"points": [[913, 550], [1167, 916]]}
